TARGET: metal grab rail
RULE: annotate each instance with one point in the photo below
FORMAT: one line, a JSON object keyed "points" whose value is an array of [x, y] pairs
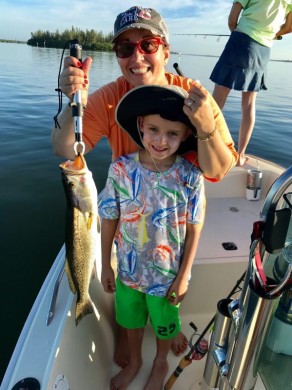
{"points": [[276, 192]]}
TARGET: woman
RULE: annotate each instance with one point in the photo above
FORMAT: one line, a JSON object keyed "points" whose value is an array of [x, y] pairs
{"points": [[141, 44], [242, 65]]}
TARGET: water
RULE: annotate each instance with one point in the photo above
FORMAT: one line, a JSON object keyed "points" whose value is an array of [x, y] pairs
{"points": [[32, 198]]}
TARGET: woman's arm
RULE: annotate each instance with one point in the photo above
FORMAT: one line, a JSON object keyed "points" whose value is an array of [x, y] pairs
{"points": [[234, 15], [286, 28]]}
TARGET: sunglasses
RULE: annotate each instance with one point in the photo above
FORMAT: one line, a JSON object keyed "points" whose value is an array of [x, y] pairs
{"points": [[145, 46]]}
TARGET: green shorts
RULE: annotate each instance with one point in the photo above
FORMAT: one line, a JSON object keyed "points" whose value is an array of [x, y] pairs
{"points": [[133, 308]]}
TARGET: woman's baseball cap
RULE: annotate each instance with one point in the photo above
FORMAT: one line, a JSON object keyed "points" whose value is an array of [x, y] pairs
{"points": [[138, 17], [167, 101]]}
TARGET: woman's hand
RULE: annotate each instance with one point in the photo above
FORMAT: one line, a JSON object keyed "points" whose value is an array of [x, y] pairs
{"points": [[75, 77], [199, 110]]}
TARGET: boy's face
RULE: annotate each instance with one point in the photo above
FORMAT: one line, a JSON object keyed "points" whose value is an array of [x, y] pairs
{"points": [[162, 137], [143, 69]]}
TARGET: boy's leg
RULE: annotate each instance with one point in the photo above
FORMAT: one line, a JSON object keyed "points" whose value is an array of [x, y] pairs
{"points": [[131, 315], [166, 323], [127, 374], [160, 366], [179, 344], [121, 356]]}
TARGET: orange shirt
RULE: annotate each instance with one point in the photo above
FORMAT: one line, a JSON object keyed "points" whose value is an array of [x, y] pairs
{"points": [[99, 117]]}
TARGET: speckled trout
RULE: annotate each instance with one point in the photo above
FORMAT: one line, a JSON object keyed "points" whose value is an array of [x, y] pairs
{"points": [[82, 227]]}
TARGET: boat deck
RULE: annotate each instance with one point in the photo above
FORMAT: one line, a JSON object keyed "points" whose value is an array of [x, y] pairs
{"points": [[228, 220], [214, 274]]}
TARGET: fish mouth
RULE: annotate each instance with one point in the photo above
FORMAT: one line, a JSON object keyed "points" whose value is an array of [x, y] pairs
{"points": [[78, 165]]}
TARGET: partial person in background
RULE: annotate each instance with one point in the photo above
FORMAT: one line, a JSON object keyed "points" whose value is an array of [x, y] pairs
{"points": [[141, 44], [243, 63]]}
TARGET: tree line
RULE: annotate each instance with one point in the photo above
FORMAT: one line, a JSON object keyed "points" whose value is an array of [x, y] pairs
{"points": [[89, 39]]}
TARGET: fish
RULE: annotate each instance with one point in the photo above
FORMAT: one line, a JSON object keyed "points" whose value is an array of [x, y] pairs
{"points": [[81, 234]]}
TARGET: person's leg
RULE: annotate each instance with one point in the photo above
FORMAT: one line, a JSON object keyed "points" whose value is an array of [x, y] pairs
{"points": [[179, 345], [248, 108], [131, 313], [160, 366], [220, 95], [121, 354], [128, 373]]}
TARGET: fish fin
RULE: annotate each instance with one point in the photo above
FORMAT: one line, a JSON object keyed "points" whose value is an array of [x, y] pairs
{"points": [[82, 309], [89, 221], [70, 280]]}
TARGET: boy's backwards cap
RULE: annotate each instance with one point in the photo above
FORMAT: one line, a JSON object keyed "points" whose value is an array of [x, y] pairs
{"points": [[167, 101], [138, 17]]}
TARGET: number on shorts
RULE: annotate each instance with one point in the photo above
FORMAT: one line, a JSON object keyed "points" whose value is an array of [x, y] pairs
{"points": [[165, 331]]}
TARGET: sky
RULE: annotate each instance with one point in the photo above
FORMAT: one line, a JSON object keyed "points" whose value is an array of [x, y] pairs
{"points": [[19, 18]]}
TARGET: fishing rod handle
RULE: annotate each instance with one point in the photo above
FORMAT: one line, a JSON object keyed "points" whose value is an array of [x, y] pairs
{"points": [[76, 105], [76, 52], [179, 369], [76, 49], [177, 68]]}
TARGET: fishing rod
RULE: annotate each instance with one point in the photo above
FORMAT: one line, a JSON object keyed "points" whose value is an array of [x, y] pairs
{"points": [[187, 359], [76, 104], [206, 35], [219, 36]]}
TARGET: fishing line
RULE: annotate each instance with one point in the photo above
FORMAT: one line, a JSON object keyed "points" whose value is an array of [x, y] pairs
{"points": [[60, 92]]}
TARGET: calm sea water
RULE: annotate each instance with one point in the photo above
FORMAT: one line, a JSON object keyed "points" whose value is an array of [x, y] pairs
{"points": [[32, 199]]}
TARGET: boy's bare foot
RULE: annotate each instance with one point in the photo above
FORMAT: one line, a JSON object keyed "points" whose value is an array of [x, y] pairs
{"points": [[125, 376], [157, 375], [179, 344]]}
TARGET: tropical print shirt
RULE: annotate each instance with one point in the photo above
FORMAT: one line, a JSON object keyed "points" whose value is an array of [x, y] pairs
{"points": [[153, 210]]}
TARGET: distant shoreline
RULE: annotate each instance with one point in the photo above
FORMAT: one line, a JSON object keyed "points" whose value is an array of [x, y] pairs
{"points": [[172, 52], [12, 41]]}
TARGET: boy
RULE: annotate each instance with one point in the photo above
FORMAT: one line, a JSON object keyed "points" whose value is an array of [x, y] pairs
{"points": [[153, 206]]}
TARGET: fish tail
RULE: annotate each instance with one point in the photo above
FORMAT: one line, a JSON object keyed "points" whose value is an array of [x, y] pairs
{"points": [[82, 309]]}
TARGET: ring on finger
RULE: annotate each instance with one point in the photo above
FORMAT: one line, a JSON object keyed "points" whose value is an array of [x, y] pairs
{"points": [[189, 102]]}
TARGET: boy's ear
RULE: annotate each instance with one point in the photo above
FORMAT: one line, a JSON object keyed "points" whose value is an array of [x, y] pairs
{"points": [[187, 133], [140, 121]]}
